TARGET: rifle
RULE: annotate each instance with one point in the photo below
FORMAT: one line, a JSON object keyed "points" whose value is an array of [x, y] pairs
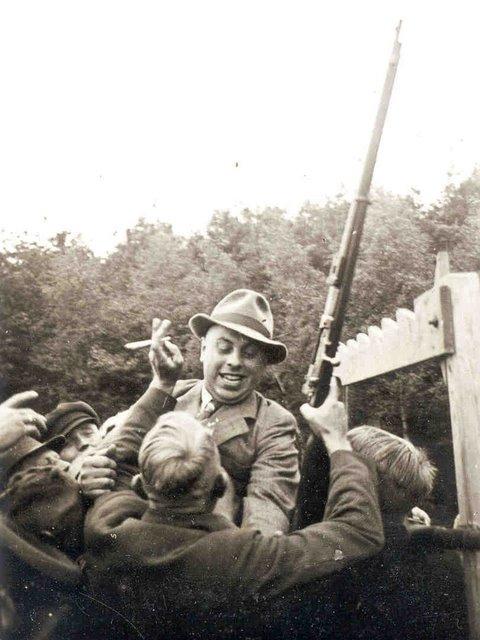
{"points": [[317, 380]]}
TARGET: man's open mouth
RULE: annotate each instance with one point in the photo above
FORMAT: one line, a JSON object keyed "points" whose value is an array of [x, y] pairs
{"points": [[232, 377]]}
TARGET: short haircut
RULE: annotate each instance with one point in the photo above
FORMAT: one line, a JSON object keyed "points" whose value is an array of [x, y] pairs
{"points": [[397, 459], [175, 457]]}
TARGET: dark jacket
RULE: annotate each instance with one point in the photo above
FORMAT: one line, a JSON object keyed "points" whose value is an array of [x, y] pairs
{"points": [[256, 439], [413, 589], [194, 576]]}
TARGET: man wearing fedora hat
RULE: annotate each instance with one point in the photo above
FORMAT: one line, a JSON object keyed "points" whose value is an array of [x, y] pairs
{"points": [[256, 437], [27, 452]]}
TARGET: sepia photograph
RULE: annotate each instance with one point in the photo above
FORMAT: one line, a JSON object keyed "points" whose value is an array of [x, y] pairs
{"points": [[240, 302]]}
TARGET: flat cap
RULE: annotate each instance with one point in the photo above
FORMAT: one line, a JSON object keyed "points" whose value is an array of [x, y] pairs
{"points": [[69, 415]]}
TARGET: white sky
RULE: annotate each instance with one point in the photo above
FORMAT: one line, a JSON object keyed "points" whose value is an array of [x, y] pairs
{"points": [[113, 110]]}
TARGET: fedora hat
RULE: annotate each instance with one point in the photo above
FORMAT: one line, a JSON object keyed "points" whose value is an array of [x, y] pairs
{"points": [[248, 313], [23, 448]]}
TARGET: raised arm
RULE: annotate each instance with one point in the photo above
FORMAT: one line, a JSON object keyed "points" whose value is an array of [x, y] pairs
{"points": [[115, 462]]}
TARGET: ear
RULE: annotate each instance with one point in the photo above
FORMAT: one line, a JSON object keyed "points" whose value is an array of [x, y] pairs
{"points": [[138, 486], [219, 486], [202, 349]]}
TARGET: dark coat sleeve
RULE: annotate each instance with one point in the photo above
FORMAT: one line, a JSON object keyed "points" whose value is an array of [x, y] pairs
{"points": [[352, 529], [313, 489], [437, 538], [128, 436], [244, 563]]}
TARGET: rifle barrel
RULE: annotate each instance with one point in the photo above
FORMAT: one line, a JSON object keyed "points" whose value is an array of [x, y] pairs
{"points": [[343, 267]]}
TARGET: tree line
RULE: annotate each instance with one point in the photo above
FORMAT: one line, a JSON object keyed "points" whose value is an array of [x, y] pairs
{"points": [[66, 313]]}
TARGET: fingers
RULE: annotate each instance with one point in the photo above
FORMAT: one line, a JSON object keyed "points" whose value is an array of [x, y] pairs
{"points": [[111, 450], [94, 473], [100, 462], [33, 421], [18, 399], [335, 388], [160, 329], [169, 352], [98, 473], [29, 416], [32, 431], [307, 411], [96, 486]]}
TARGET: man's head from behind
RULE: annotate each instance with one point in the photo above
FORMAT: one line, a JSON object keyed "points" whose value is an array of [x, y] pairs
{"points": [[180, 465], [406, 474]]}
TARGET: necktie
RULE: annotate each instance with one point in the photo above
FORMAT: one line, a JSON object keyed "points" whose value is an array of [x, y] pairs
{"points": [[206, 411]]}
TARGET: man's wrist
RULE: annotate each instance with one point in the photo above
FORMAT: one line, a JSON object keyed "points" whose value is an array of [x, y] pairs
{"points": [[166, 386], [338, 445]]}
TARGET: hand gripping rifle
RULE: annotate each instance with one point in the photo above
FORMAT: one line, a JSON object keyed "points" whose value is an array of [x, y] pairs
{"points": [[317, 380]]}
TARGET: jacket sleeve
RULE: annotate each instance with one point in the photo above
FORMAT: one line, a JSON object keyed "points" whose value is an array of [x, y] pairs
{"points": [[352, 529], [435, 538], [272, 489], [313, 488], [128, 436]]}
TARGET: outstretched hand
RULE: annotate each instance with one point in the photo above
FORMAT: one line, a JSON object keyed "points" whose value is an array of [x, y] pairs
{"points": [[98, 473], [165, 357], [17, 421], [329, 421]]}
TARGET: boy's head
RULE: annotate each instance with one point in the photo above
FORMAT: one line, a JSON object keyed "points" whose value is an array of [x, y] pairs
{"points": [[406, 473], [180, 464]]}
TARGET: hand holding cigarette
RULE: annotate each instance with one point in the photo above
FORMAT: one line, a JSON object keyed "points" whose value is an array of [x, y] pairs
{"points": [[165, 357]]}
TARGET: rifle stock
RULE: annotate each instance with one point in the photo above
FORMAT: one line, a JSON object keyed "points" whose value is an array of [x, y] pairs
{"points": [[317, 380]]}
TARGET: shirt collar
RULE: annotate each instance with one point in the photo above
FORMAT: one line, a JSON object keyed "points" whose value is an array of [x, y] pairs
{"points": [[205, 397], [247, 408]]}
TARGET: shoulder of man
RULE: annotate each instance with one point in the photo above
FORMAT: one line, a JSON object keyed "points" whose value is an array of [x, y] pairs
{"points": [[182, 386], [272, 411]]}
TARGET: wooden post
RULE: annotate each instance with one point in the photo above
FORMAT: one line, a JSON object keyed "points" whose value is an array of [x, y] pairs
{"points": [[445, 326], [463, 375]]}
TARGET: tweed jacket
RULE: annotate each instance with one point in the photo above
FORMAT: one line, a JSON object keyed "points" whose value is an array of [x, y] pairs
{"points": [[257, 441], [189, 575]]}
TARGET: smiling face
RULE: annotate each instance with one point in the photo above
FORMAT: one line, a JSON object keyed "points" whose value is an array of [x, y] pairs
{"points": [[232, 364], [79, 440]]}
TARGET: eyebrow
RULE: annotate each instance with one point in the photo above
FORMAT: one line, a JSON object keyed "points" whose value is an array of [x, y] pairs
{"points": [[222, 339]]}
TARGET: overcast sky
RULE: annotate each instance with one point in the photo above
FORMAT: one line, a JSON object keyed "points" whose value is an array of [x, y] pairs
{"points": [[113, 110]]}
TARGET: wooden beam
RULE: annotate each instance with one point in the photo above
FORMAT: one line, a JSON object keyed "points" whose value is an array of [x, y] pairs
{"points": [[415, 336], [463, 374]]}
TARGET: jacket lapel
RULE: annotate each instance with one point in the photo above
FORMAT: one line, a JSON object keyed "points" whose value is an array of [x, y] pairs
{"points": [[228, 421], [231, 420], [190, 401]]}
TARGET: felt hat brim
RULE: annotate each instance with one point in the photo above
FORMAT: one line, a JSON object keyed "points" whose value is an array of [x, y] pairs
{"points": [[22, 450], [276, 351]]}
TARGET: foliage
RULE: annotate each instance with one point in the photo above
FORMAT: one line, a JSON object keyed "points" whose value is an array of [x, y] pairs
{"points": [[67, 313]]}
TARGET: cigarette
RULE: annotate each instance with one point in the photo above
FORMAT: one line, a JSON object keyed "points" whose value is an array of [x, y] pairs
{"points": [[140, 344]]}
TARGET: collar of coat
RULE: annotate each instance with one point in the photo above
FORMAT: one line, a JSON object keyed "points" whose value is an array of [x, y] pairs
{"points": [[203, 521], [229, 421]]}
